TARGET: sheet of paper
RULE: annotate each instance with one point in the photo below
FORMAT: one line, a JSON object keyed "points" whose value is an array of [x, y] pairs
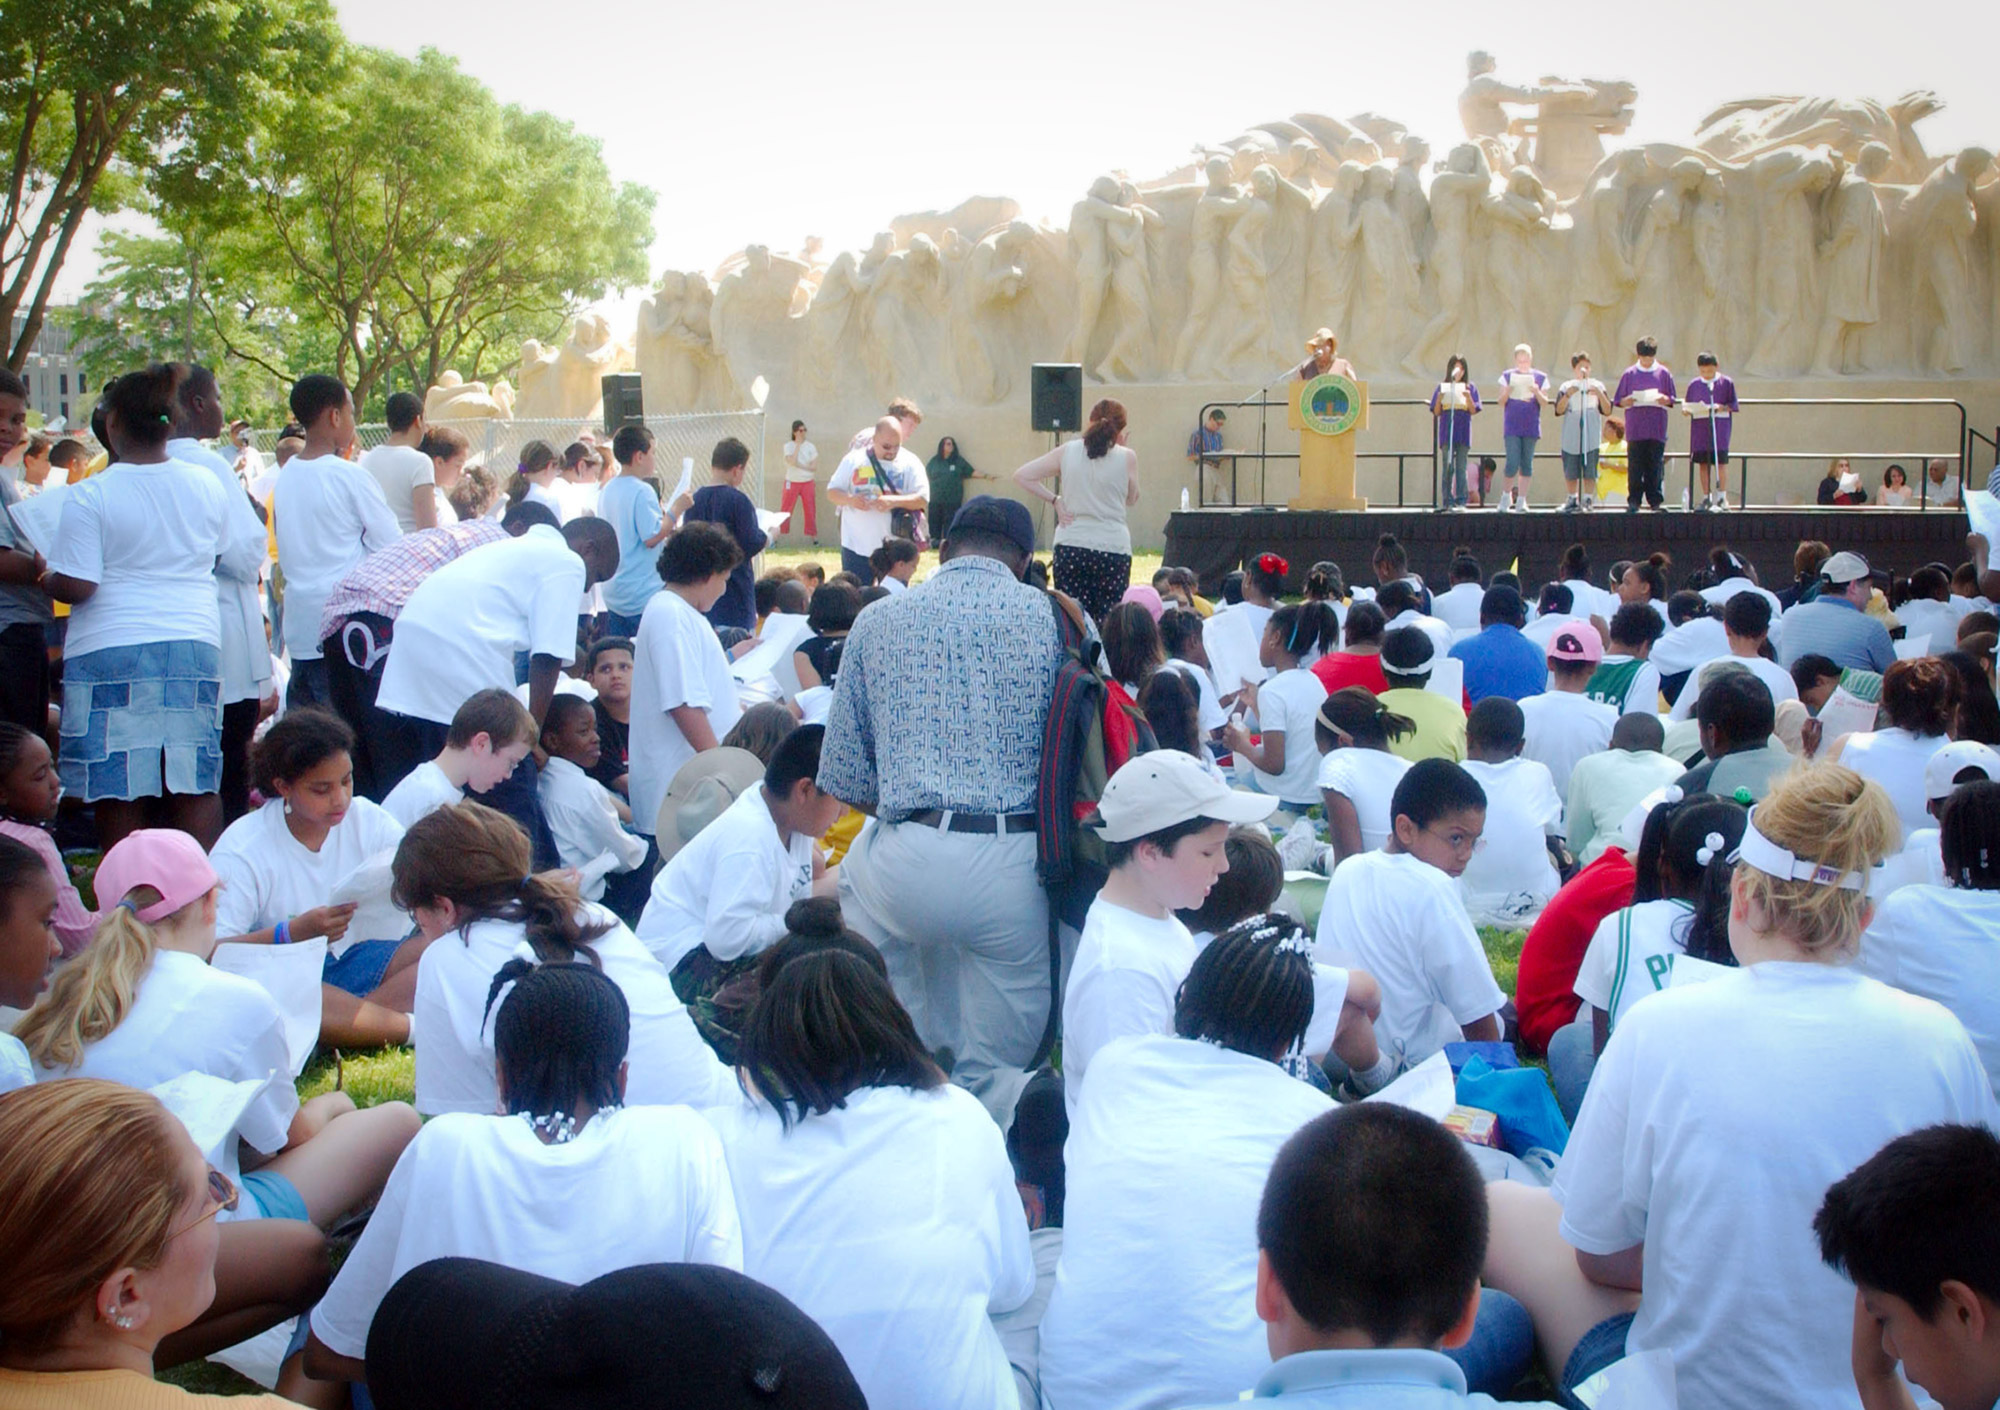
{"points": [[1910, 648], [685, 484], [772, 655], [37, 517], [1844, 713], [291, 975], [1447, 678], [1232, 644], [1647, 397], [1452, 397], [773, 521], [1980, 506], [376, 917], [1428, 1087], [214, 1110], [1701, 411], [814, 704], [1520, 389]]}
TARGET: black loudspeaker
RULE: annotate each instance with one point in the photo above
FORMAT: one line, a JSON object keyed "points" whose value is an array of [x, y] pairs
{"points": [[622, 403], [1055, 396]]}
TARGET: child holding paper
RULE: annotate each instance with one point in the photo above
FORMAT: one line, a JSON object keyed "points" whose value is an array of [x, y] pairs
{"points": [[1453, 405], [1582, 405], [1521, 422], [1711, 406], [722, 502]]}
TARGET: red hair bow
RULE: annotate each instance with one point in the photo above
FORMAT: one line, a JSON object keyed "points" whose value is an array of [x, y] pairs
{"points": [[1271, 563]]}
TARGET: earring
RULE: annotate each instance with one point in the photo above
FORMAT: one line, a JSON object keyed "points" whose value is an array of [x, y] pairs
{"points": [[122, 1322]]}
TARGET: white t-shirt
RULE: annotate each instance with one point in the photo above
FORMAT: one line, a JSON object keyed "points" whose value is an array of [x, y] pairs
{"points": [[1716, 1118], [149, 537], [1367, 778], [1926, 618], [1920, 863], [669, 1062], [893, 1222], [1154, 1301], [1776, 679], [1543, 630], [1943, 943], [801, 459], [1631, 955], [17, 1069], [678, 661], [1458, 608], [328, 514], [1209, 714], [1127, 972], [1290, 701], [422, 792], [1562, 727], [399, 470], [460, 630], [636, 1185], [268, 875], [1684, 647], [1401, 920], [1642, 696], [187, 1017], [1588, 599], [584, 822], [728, 888], [239, 605], [1719, 594], [1511, 876], [861, 530], [1895, 758]]}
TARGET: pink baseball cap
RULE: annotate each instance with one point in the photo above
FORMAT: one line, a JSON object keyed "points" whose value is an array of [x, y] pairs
{"points": [[1576, 641], [1146, 597], [164, 858]]}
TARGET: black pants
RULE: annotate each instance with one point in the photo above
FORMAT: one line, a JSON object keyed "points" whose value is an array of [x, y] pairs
{"points": [[1097, 580], [1646, 469], [24, 677], [857, 564], [351, 690], [239, 722]]}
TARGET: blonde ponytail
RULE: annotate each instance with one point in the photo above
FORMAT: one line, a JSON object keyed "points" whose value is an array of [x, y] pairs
{"points": [[92, 994], [1831, 815]]}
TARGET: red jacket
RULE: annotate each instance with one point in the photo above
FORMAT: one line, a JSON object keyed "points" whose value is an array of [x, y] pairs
{"points": [[1545, 987]]}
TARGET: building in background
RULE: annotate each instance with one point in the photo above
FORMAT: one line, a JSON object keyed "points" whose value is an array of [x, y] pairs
{"points": [[55, 384]]}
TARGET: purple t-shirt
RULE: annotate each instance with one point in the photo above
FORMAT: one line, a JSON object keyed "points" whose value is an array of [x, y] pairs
{"points": [[1521, 418], [1454, 428], [1646, 423], [1721, 395]]}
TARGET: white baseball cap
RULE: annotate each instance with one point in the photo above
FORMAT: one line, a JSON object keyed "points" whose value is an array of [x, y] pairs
{"points": [[1155, 791], [1844, 568], [1954, 759]]}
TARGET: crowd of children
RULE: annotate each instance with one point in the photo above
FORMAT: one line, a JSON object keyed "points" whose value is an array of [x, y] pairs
{"points": [[644, 890]]}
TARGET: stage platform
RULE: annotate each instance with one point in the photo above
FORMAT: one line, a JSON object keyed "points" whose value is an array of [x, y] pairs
{"points": [[1214, 541]]}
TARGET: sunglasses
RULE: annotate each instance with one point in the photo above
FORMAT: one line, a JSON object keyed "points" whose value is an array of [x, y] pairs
{"points": [[222, 1193]]}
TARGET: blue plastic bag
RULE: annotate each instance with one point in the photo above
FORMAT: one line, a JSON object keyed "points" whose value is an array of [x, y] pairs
{"points": [[1523, 1101]]}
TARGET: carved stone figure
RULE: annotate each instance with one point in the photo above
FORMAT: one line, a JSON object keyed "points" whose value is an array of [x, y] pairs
{"points": [[1601, 273], [1744, 130], [1787, 181], [1386, 304], [1214, 213], [1412, 206], [1565, 136], [1663, 258], [562, 383], [751, 319], [1333, 253], [1850, 253], [1942, 221], [1457, 194], [906, 313], [455, 399], [1515, 221], [675, 350], [1114, 305]]}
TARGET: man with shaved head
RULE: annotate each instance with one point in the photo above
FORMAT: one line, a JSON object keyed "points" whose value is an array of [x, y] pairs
{"points": [[867, 488]]}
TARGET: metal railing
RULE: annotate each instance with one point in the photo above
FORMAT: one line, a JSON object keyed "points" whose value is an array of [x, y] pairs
{"points": [[1960, 454]]}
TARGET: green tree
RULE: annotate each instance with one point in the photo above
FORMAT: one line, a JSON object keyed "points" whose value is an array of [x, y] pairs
{"points": [[99, 98], [397, 207]]}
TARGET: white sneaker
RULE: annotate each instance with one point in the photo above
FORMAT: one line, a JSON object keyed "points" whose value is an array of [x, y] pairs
{"points": [[1520, 504], [1589, 503]]}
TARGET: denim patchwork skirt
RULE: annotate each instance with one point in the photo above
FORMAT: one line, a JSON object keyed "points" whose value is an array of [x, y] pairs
{"points": [[141, 721]]}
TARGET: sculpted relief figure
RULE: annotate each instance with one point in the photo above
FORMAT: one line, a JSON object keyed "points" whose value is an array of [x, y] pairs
{"points": [[839, 353], [1850, 253], [562, 383], [1744, 130], [455, 399], [907, 308], [1709, 238], [1114, 305], [1516, 221], [1942, 221], [1387, 304], [1333, 251], [675, 350], [1413, 207], [1601, 273], [1457, 194], [751, 318], [1214, 213], [1787, 182], [1663, 258]]}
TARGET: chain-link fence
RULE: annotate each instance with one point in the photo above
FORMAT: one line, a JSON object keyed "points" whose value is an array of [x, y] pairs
{"points": [[497, 444]]}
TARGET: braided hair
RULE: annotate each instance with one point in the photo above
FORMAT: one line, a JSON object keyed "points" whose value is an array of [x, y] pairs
{"points": [[1969, 836], [1251, 990], [560, 1038]]}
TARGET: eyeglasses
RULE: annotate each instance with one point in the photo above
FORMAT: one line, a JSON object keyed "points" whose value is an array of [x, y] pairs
{"points": [[1459, 840], [222, 1192]]}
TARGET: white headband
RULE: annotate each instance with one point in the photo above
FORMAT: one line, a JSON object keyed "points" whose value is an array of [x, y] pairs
{"points": [[1766, 856]]}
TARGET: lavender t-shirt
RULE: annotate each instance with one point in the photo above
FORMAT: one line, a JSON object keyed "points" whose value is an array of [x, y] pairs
{"points": [[1454, 428], [1721, 395], [1521, 418], [1646, 423]]}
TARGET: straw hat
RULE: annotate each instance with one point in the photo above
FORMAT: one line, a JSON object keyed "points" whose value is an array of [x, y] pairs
{"points": [[701, 792], [1325, 337]]}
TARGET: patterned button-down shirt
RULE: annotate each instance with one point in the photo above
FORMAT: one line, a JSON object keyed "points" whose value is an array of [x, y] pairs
{"points": [[383, 581], [942, 695]]}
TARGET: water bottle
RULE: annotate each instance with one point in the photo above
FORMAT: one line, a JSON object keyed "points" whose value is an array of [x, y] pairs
{"points": [[1184, 499]]}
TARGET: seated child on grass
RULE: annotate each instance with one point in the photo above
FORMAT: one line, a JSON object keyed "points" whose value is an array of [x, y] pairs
{"points": [[586, 817], [29, 793], [490, 734]]}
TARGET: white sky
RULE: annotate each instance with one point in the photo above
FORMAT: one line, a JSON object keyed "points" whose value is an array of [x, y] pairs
{"points": [[771, 121]]}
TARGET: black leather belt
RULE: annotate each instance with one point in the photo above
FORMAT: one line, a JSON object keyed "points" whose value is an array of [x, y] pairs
{"points": [[986, 823]]}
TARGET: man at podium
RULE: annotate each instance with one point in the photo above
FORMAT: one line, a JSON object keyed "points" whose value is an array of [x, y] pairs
{"points": [[1320, 359]]}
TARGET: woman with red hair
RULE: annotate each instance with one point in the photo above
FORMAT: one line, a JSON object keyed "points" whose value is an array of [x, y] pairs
{"points": [[1099, 479]]}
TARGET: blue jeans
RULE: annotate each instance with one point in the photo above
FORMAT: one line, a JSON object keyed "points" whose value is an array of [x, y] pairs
{"points": [[1571, 1061], [1580, 467], [1521, 455], [1502, 1345], [1453, 490], [618, 624]]}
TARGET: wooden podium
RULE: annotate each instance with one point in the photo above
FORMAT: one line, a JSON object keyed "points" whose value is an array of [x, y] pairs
{"points": [[1326, 411]]}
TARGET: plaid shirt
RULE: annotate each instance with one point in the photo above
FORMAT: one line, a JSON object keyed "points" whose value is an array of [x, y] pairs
{"points": [[383, 581]]}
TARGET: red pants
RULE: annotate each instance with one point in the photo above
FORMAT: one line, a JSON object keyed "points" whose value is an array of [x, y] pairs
{"points": [[801, 492]]}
